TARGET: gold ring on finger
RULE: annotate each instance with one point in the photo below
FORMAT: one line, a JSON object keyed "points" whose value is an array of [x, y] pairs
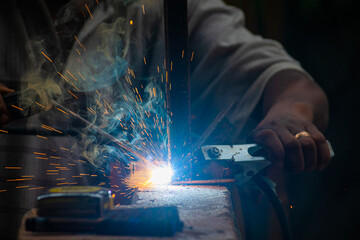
{"points": [[302, 134]]}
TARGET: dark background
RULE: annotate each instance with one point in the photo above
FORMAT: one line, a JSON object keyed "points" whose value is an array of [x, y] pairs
{"points": [[324, 36]]}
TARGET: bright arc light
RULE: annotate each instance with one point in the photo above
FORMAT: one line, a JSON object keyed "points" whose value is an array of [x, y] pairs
{"points": [[161, 175]]}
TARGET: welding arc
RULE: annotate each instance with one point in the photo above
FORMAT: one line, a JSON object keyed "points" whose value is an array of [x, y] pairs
{"points": [[102, 132]]}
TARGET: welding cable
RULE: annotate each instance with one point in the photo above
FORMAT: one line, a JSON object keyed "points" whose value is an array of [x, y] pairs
{"points": [[276, 203]]}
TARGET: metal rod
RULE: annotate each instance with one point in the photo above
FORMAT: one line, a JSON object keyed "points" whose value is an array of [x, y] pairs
{"points": [[204, 182], [178, 87]]}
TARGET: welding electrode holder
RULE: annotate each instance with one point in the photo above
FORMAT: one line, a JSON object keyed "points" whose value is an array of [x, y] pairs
{"points": [[244, 160]]}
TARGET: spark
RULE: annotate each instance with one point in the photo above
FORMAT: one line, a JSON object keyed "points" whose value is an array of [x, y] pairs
{"points": [[39, 136], [88, 11], [63, 77], [36, 188], [143, 8], [73, 94], [50, 128], [46, 56], [63, 168], [46, 127], [62, 111], [17, 107], [3, 131], [91, 110], [39, 104], [71, 75], [108, 105], [39, 153], [81, 76], [18, 179]]}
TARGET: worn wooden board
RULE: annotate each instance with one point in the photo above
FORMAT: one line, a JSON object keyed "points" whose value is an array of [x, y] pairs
{"points": [[206, 211]]}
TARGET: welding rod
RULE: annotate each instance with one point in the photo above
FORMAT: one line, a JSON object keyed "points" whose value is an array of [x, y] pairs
{"points": [[205, 182]]}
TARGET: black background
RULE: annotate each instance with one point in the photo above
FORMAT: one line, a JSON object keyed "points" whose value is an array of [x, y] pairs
{"points": [[324, 35]]}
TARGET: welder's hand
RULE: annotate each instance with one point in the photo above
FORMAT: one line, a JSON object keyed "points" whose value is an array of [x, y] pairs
{"points": [[276, 133], [4, 115]]}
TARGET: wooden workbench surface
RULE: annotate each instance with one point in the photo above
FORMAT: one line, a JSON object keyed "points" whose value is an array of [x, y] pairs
{"points": [[206, 211]]}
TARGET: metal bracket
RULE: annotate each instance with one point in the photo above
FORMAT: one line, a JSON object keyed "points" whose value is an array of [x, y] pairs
{"points": [[249, 159]]}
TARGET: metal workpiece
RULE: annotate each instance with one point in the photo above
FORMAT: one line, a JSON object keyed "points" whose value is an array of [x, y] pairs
{"points": [[202, 212]]}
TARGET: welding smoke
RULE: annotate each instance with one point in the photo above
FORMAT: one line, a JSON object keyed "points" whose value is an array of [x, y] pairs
{"points": [[98, 67], [39, 83]]}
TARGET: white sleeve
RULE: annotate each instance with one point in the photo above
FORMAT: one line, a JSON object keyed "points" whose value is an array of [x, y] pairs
{"points": [[229, 63]]}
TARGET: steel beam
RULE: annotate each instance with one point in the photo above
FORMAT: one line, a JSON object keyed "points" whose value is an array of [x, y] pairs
{"points": [[178, 87]]}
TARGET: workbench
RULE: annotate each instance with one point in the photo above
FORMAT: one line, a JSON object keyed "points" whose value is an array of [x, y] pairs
{"points": [[206, 211]]}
